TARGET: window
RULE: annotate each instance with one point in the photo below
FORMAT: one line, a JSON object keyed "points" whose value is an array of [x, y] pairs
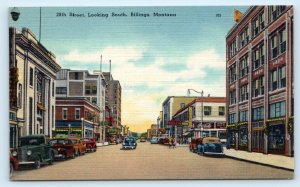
{"points": [[258, 24], [244, 66], [77, 113], [274, 47], [64, 113], [244, 93], [87, 90], [52, 110], [282, 77], [232, 118], [30, 114], [278, 78], [61, 90], [31, 77], [53, 89], [282, 40], [258, 87], [221, 110], [243, 116], [275, 11], [258, 114], [232, 96], [94, 100], [19, 102], [232, 73], [258, 56], [207, 110], [244, 37], [94, 89], [76, 76], [277, 110], [232, 49]]}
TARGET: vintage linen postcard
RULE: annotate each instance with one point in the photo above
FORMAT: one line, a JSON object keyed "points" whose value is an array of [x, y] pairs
{"points": [[139, 93]]}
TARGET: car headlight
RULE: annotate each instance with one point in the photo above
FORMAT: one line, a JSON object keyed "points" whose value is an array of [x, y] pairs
{"points": [[14, 153], [58, 149], [29, 152], [134, 143]]}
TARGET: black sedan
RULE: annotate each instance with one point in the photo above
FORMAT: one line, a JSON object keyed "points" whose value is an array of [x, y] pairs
{"points": [[129, 143]]}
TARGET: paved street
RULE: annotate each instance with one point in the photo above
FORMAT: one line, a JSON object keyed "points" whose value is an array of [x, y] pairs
{"points": [[149, 162]]}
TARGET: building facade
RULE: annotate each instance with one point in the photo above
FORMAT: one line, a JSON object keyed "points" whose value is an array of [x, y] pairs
{"points": [[33, 71], [77, 117], [260, 84], [169, 107], [82, 84], [200, 118], [113, 100]]}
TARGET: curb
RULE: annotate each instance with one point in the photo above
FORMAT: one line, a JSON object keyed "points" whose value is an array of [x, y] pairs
{"points": [[255, 162]]}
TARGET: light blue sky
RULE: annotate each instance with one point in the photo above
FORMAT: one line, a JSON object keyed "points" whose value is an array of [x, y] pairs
{"points": [[153, 57]]}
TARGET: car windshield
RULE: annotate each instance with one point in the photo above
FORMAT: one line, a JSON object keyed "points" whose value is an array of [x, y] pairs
{"points": [[59, 141], [213, 147], [129, 140], [31, 141]]}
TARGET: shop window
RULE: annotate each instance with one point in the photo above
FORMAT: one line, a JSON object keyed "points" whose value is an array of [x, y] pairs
{"points": [[243, 137], [276, 137]]}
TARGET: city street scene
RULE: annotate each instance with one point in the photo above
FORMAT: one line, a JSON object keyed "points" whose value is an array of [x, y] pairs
{"points": [[149, 93]]}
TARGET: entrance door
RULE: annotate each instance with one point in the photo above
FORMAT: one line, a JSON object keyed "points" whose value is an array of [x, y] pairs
{"points": [[258, 140]]}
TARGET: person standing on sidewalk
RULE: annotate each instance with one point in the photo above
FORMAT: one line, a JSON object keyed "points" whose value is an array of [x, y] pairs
{"points": [[174, 143], [170, 142]]}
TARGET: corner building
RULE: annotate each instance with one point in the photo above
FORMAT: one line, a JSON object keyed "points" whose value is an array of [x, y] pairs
{"points": [[259, 83]]}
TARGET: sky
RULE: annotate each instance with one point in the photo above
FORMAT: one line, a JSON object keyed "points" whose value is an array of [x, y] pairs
{"points": [[152, 57]]}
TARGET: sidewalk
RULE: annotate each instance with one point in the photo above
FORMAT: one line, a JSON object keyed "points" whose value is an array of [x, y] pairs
{"points": [[278, 161]]}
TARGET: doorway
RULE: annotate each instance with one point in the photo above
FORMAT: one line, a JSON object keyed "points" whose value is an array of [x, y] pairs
{"points": [[258, 140]]}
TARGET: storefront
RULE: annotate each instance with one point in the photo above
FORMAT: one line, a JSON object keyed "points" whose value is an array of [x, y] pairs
{"points": [[276, 137], [243, 137], [231, 136], [258, 137]]}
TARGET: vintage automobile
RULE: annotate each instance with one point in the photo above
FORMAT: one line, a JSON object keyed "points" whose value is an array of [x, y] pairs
{"points": [[90, 144], [211, 146], [35, 150], [142, 139], [194, 144], [64, 147], [129, 143], [13, 162], [154, 140], [80, 148]]}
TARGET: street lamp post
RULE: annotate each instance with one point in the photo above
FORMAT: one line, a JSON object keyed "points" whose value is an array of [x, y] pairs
{"points": [[82, 128], [69, 130], [202, 100]]}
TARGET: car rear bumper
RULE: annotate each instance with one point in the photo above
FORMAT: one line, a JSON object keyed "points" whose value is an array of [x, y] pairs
{"points": [[26, 162]]}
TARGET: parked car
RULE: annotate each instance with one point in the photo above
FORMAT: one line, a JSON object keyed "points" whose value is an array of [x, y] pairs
{"points": [[90, 144], [13, 162], [35, 150], [211, 146], [143, 139], [129, 143], [194, 144], [80, 148], [154, 140], [64, 147]]}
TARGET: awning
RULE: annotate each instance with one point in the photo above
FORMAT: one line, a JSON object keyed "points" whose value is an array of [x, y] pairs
{"points": [[186, 133]]}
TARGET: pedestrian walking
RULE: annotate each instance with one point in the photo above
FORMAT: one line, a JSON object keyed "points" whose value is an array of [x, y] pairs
{"points": [[170, 142], [174, 143]]}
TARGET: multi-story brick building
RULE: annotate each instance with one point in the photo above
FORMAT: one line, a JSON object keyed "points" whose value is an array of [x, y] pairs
{"points": [[33, 71], [77, 117], [201, 118], [113, 99], [81, 84], [260, 84]]}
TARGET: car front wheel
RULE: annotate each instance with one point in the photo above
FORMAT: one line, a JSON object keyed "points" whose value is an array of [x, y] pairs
{"points": [[37, 164]]}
